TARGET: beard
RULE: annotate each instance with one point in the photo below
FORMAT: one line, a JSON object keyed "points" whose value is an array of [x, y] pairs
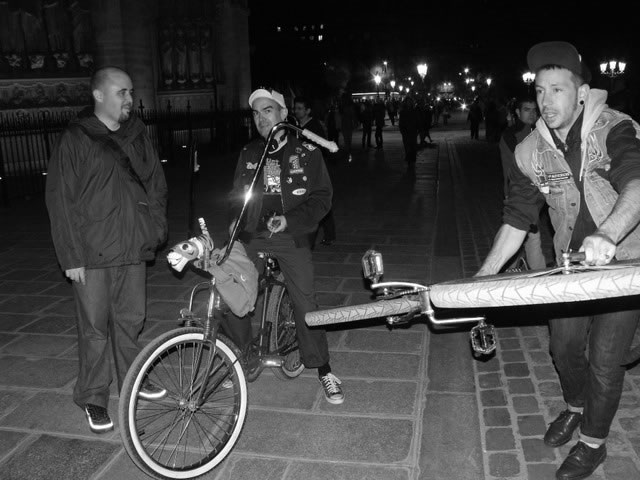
{"points": [[125, 113]]}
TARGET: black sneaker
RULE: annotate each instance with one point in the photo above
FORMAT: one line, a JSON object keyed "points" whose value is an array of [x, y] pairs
{"points": [[149, 391], [581, 462], [332, 390], [98, 417]]}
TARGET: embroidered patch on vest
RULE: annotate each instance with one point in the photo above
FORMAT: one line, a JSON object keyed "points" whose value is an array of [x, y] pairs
{"points": [[558, 176]]}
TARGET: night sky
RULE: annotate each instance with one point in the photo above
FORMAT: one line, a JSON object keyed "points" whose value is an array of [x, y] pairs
{"points": [[491, 37]]}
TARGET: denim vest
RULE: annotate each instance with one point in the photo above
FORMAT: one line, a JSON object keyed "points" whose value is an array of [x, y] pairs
{"points": [[540, 160]]}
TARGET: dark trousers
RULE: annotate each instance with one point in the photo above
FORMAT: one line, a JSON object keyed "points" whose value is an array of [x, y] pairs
{"points": [[378, 136], [475, 129], [595, 381], [328, 226], [410, 147], [366, 137], [110, 311], [297, 268]]}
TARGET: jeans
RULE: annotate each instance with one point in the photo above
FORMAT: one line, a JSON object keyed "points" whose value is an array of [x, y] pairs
{"points": [[110, 312], [297, 268], [593, 381]]}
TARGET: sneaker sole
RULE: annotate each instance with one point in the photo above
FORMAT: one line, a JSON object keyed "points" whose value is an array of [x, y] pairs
{"points": [[100, 428], [334, 401]]}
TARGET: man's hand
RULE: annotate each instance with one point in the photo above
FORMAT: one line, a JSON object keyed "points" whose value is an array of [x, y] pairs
{"points": [[76, 275], [277, 224], [598, 248]]}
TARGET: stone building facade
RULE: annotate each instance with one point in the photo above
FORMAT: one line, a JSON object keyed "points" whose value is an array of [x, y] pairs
{"points": [[192, 52]]}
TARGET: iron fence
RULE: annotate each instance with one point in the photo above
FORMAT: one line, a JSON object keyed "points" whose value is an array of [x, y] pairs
{"points": [[26, 140]]}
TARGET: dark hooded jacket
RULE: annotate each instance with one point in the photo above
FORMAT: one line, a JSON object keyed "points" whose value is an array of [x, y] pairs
{"points": [[105, 210]]}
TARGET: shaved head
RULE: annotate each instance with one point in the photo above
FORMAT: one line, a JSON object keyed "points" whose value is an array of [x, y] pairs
{"points": [[112, 92], [101, 76]]}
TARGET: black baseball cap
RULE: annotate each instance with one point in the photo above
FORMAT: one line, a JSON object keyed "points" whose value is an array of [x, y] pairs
{"points": [[557, 53]]}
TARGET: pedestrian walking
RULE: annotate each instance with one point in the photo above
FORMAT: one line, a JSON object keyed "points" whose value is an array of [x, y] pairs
{"points": [[379, 113]]}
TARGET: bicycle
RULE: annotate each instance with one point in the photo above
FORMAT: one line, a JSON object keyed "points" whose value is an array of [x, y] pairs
{"points": [[198, 419], [401, 302]]}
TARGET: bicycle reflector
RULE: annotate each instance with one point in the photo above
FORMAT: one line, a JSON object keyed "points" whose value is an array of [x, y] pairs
{"points": [[372, 266]]}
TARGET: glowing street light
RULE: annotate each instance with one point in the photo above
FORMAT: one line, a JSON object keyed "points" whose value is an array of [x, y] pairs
{"points": [[377, 78], [615, 68], [489, 82], [528, 77], [393, 84], [422, 70]]}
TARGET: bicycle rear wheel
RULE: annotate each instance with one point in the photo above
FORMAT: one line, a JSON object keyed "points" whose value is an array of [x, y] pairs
{"points": [[175, 437], [540, 286], [351, 313], [283, 337]]}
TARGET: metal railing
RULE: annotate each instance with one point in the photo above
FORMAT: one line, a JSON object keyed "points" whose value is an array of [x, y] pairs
{"points": [[26, 140]]}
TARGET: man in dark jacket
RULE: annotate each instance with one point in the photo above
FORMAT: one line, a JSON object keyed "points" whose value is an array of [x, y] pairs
{"points": [[302, 112], [379, 112], [526, 116], [292, 194], [106, 195], [408, 122]]}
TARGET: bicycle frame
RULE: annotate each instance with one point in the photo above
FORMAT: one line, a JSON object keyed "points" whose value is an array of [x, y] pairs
{"points": [[482, 335]]}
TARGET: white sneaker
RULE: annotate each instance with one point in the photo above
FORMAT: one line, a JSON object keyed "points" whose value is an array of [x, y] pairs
{"points": [[332, 390]]}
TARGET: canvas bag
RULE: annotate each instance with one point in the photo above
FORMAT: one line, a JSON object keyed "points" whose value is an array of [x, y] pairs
{"points": [[236, 278]]}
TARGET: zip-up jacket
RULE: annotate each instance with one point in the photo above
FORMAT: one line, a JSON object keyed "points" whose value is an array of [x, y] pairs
{"points": [[102, 214], [545, 165], [304, 180]]}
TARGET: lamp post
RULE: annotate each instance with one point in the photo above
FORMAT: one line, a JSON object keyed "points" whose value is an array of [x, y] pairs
{"points": [[422, 71], [612, 69], [489, 80], [528, 78], [377, 78]]}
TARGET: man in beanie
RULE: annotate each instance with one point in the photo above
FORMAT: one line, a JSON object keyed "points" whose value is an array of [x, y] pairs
{"points": [[290, 197], [583, 160]]}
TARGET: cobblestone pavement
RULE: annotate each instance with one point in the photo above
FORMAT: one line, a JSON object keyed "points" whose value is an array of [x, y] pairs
{"points": [[418, 404]]}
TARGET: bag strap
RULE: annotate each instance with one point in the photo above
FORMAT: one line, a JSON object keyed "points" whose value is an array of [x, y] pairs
{"points": [[121, 155]]}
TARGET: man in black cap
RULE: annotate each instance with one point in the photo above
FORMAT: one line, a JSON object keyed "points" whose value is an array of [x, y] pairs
{"points": [[583, 160]]}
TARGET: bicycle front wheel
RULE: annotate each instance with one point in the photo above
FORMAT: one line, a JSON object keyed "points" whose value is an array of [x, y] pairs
{"points": [[183, 434], [283, 338], [540, 287]]}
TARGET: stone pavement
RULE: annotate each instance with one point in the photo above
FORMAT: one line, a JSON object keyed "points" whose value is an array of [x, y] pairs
{"points": [[418, 404]]}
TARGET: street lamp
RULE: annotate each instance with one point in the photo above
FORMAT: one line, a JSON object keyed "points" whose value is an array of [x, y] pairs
{"points": [[393, 84], [422, 71], [528, 78], [614, 69], [489, 82], [377, 78]]}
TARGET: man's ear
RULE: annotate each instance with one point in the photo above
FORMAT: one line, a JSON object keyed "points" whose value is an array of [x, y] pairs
{"points": [[283, 114], [583, 91], [97, 95]]}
